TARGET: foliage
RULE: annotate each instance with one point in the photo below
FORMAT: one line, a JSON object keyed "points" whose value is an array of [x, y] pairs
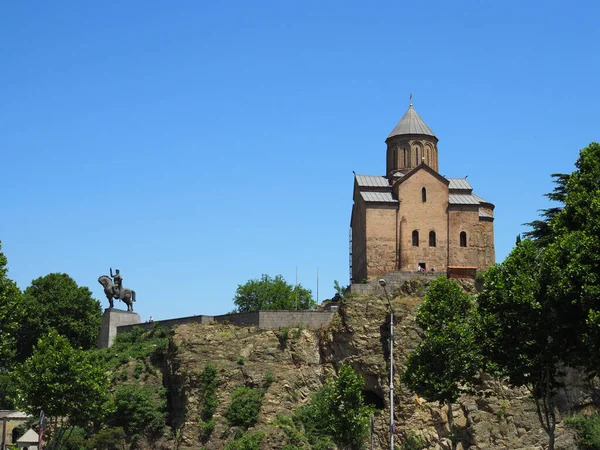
{"points": [[10, 314], [209, 383], [542, 233], [138, 409], [246, 441], [337, 412], [206, 429], [151, 345], [518, 329], [245, 406], [56, 302], [413, 442], [108, 439], [448, 354], [269, 293], [588, 430], [63, 381]]}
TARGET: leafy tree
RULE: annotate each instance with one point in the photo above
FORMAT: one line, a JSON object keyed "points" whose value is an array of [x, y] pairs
{"points": [[519, 328], [138, 410], [9, 314], [64, 382], [448, 355], [271, 294], [571, 264], [108, 439], [337, 411], [542, 232], [56, 302]]}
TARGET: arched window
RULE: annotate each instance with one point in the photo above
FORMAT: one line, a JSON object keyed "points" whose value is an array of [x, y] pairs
{"points": [[432, 238], [463, 239], [423, 195], [415, 238]]}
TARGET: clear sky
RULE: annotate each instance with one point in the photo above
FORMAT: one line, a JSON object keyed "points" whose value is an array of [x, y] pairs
{"points": [[195, 145]]}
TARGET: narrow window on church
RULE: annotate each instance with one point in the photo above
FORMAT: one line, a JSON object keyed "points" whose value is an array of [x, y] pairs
{"points": [[423, 195], [463, 239], [415, 238], [432, 238], [404, 150]]}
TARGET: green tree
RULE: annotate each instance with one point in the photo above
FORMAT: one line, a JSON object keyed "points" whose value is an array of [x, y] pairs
{"points": [[571, 264], [138, 410], [56, 302], [518, 330], [542, 232], [338, 411], [10, 296], [64, 382], [448, 355], [271, 294]]}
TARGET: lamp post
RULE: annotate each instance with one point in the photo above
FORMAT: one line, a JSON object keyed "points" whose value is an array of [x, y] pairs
{"points": [[382, 283]]}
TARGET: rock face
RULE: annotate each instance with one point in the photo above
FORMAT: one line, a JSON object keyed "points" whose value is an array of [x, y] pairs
{"points": [[290, 364]]}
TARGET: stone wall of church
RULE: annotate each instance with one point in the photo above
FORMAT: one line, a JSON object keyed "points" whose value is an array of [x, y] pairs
{"points": [[464, 218], [486, 250], [359, 240], [423, 217], [381, 240], [405, 154]]}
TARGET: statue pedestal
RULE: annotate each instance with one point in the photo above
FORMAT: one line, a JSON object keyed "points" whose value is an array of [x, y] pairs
{"points": [[111, 319]]}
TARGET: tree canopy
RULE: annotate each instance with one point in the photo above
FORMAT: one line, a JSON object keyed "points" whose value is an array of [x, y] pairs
{"points": [[10, 296], [64, 382], [448, 355], [337, 412], [269, 293], [56, 302]]}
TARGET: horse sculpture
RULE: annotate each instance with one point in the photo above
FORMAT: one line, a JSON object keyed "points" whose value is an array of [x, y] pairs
{"points": [[111, 291]]}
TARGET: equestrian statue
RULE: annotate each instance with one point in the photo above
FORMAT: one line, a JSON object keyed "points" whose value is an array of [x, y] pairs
{"points": [[114, 289]]}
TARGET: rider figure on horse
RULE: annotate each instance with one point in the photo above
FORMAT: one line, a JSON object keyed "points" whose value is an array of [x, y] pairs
{"points": [[117, 283]]}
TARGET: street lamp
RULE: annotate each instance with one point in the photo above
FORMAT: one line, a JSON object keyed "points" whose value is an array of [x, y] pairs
{"points": [[382, 283]]}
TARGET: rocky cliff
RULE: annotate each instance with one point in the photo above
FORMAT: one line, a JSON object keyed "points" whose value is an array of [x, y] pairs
{"points": [[290, 364]]}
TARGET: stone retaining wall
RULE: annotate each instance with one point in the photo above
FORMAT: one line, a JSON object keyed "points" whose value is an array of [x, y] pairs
{"points": [[268, 320], [394, 280]]}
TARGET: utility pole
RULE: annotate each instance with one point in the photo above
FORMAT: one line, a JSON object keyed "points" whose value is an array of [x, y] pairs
{"points": [[382, 283]]}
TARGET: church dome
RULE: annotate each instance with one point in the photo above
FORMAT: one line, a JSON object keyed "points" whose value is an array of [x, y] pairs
{"points": [[411, 123]]}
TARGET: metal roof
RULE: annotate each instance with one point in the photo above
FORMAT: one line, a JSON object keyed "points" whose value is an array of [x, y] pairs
{"points": [[458, 183], [484, 214], [380, 197], [458, 199], [411, 123], [480, 199], [371, 181]]}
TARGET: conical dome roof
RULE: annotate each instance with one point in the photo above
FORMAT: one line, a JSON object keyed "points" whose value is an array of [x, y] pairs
{"points": [[411, 123]]}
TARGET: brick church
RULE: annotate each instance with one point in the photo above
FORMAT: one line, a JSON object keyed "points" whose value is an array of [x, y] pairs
{"points": [[413, 217]]}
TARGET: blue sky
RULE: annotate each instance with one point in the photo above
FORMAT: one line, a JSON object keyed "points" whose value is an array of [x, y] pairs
{"points": [[196, 145]]}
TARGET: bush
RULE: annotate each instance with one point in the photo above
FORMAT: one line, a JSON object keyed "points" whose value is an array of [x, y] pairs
{"points": [[139, 409], [247, 441], [206, 429], [245, 406], [209, 383], [108, 439], [588, 430]]}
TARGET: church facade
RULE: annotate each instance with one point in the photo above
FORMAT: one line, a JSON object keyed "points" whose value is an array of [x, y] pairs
{"points": [[413, 217]]}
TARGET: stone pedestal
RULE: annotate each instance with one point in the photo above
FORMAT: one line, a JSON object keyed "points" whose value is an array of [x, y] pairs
{"points": [[111, 319]]}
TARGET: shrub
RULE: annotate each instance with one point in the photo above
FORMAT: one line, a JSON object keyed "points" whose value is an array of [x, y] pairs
{"points": [[247, 441], [588, 430], [209, 383], [245, 406], [138, 409], [206, 429]]}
